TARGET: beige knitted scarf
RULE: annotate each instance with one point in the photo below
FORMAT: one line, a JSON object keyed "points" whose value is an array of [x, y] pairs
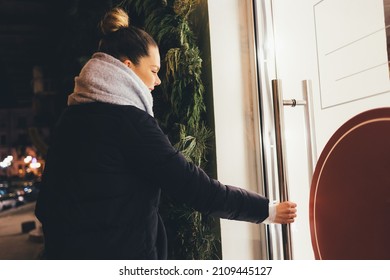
{"points": [[108, 80]]}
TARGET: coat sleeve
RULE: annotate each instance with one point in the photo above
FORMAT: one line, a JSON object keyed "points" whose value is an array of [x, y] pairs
{"points": [[162, 165]]}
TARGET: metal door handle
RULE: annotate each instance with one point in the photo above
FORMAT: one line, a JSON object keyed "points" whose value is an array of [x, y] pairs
{"points": [[281, 160], [278, 103], [310, 127]]}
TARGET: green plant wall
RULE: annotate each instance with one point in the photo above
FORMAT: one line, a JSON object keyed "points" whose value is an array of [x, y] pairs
{"points": [[182, 104], [180, 107]]}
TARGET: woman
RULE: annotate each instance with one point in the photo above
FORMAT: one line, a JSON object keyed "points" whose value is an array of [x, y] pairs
{"points": [[108, 161]]}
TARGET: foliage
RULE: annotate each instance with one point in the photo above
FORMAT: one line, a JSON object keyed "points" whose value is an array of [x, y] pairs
{"points": [[193, 148], [178, 102], [180, 109]]}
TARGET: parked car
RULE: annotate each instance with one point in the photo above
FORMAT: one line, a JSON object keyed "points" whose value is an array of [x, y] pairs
{"points": [[8, 199], [26, 191], [31, 192], [15, 192]]}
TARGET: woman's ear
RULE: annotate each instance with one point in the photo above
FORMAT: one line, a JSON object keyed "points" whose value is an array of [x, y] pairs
{"points": [[128, 63]]}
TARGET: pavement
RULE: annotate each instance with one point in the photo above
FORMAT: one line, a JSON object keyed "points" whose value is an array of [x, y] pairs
{"points": [[20, 234]]}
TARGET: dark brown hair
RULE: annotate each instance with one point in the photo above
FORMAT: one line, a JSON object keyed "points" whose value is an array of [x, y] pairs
{"points": [[121, 40]]}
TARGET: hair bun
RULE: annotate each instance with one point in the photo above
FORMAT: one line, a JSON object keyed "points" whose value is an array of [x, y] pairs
{"points": [[113, 20]]}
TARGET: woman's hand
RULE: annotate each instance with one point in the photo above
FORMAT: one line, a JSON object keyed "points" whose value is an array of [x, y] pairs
{"points": [[285, 212]]}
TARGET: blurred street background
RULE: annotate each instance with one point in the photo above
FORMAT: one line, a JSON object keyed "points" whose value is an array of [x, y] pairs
{"points": [[20, 237], [43, 45]]}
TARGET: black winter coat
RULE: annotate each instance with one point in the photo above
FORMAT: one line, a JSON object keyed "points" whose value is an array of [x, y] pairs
{"points": [[101, 186]]}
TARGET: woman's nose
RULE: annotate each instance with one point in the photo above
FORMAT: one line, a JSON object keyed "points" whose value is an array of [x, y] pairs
{"points": [[158, 81]]}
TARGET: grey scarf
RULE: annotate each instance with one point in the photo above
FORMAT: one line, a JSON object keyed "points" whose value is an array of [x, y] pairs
{"points": [[106, 79]]}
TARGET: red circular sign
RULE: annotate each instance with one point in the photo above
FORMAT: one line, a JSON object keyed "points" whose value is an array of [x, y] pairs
{"points": [[350, 191]]}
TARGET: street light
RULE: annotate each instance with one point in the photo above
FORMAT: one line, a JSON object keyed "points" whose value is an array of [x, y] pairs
{"points": [[34, 164], [6, 162], [27, 159]]}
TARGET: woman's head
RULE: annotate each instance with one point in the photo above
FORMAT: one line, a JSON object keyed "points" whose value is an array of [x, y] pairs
{"points": [[131, 45]]}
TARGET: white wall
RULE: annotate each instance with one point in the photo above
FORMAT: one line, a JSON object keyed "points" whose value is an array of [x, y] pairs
{"points": [[308, 36], [236, 117]]}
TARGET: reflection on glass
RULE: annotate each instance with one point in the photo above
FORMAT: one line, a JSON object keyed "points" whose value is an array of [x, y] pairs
{"points": [[387, 23]]}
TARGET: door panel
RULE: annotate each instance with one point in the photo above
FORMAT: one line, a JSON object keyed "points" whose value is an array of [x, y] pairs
{"points": [[340, 47]]}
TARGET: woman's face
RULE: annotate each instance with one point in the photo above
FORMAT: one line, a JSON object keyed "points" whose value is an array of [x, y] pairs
{"points": [[147, 68]]}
